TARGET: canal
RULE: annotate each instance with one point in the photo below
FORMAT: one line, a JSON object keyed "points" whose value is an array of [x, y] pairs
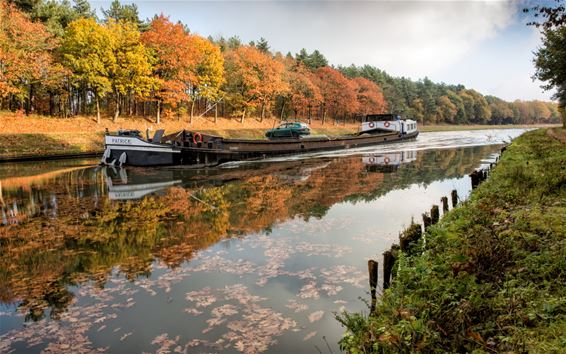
{"points": [[247, 257]]}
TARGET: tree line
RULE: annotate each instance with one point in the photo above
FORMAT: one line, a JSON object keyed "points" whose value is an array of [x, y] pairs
{"points": [[57, 58]]}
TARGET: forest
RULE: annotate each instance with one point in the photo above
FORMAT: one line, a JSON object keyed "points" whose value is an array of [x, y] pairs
{"points": [[59, 58]]}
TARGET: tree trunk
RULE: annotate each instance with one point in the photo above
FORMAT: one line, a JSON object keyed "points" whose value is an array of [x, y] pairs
{"points": [[562, 111], [97, 108], [310, 115], [117, 111], [282, 109], [51, 103], [192, 111], [323, 115], [29, 107], [243, 116], [215, 113], [158, 112], [84, 106], [262, 112]]}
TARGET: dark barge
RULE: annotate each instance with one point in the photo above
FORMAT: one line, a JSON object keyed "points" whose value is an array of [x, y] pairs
{"points": [[200, 150]]}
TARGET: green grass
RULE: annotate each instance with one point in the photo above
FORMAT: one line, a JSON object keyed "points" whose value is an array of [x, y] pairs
{"points": [[492, 276]]}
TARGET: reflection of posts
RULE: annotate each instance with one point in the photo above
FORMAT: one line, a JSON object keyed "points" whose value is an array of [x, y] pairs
{"points": [[372, 269]]}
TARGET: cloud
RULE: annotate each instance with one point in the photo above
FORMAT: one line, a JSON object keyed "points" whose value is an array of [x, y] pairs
{"points": [[411, 38]]}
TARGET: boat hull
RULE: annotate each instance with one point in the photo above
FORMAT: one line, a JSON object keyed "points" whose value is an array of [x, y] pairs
{"points": [[141, 153]]}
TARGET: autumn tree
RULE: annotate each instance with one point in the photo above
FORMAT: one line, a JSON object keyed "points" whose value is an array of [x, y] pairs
{"points": [[208, 71], [253, 78], [87, 50], [174, 60], [369, 96], [25, 55], [338, 93], [188, 66], [131, 72], [304, 94]]}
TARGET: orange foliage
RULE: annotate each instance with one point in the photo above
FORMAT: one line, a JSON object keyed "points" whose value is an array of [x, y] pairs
{"points": [[304, 94], [370, 97], [25, 51], [338, 93], [175, 58], [254, 77]]}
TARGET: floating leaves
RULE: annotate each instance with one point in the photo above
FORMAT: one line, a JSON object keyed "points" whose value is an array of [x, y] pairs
{"points": [[309, 291], [202, 298], [257, 327], [316, 316], [297, 307]]}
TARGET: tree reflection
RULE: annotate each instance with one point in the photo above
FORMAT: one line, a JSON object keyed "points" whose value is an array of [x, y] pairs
{"points": [[66, 228]]}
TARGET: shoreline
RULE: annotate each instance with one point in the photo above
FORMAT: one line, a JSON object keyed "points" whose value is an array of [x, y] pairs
{"points": [[490, 277], [33, 138]]}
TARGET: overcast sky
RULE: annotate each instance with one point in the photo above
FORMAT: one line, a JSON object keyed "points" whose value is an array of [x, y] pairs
{"points": [[484, 45]]}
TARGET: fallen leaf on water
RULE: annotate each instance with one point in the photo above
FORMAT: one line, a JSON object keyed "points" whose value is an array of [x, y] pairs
{"points": [[316, 316], [309, 336]]}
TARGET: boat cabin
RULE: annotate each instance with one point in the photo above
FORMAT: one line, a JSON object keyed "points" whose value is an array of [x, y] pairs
{"points": [[375, 123]]}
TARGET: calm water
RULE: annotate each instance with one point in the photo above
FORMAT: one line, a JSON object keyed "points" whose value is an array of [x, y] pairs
{"points": [[249, 257]]}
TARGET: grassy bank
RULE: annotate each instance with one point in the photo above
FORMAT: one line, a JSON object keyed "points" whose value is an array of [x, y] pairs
{"points": [[22, 136], [492, 277]]}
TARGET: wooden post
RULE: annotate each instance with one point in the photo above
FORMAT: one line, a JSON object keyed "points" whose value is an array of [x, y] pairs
{"points": [[454, 196], [372, 269], [426, 221], [434, 215], [409, 237], [444, 201], [388, 263], [474, 176]]}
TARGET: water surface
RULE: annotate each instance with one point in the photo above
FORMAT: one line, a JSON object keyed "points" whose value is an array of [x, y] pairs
{"points": [[246, 257]]}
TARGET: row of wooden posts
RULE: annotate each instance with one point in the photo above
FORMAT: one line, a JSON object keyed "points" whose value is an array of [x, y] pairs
{"points": [[407, 241], [410, 237]]}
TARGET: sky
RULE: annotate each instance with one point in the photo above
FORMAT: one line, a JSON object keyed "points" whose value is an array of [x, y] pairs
{"points": [[484, 45]]}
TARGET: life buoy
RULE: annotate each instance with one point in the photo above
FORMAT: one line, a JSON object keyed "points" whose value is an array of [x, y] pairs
{"points": [[386, 124], [372, 159], [371, 124], [197, 138], [386, 160]]}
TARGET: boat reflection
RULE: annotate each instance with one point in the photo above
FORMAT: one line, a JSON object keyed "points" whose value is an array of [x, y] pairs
{"points": [[388, 162], [120, 188]]}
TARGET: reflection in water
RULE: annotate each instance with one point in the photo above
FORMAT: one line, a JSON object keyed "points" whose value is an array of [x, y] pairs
{"points": [[90, 254], [388, 162]]}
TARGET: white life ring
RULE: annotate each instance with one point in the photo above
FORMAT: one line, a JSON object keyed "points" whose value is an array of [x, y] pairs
{"points": [[386, 124], [372, 159], [386, 160], [371, 124]]}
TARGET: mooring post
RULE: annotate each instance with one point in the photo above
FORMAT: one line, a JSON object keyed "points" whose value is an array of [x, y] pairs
{"points": [[388, 262], [444, 201], [410, 236], [454, 195], [474, 176], [434, 215], [373, 274], [426, 221]]}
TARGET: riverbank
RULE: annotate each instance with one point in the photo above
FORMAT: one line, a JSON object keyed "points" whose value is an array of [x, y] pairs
{"points": [[39, 136], [492, 276]]}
